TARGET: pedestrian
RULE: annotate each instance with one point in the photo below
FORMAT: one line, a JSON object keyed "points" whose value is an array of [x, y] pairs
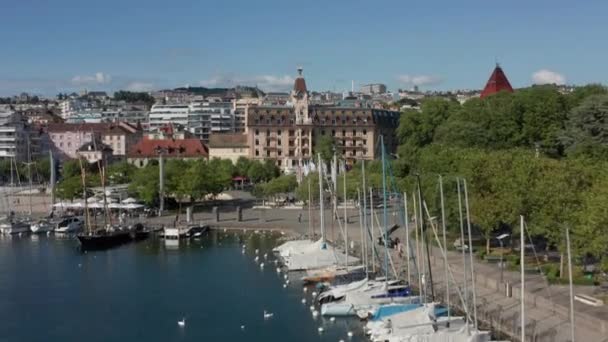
{"points": [[300, 218]]}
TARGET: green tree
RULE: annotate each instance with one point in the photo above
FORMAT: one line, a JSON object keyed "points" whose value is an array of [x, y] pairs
{"points": [[242, 166], [586, 130], [120, 173], [70, 188], [70, 168], [325, 146], [145, 184]]}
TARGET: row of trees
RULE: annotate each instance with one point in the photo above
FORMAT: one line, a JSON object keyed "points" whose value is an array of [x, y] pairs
{"points": [[536, 152], [185, 180], [133, 97]]}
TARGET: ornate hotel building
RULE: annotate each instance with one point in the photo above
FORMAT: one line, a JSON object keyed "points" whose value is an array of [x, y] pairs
{"points": [[287, 134]]}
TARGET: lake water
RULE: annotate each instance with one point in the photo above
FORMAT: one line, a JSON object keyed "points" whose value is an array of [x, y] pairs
{"points": [[49, 291]]}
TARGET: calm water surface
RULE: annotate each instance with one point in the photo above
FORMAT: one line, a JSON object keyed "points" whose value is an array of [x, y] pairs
{"points": [[49, 291]]}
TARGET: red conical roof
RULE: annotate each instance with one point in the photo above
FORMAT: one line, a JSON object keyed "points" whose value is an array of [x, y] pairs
{"points": [[497, 82]]}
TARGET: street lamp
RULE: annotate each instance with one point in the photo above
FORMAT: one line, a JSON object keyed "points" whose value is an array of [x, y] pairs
{"points": [[502, 252]]}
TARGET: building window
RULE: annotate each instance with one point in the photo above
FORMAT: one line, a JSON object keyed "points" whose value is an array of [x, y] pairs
{"points": [[257, 153], [323, 132], [293, 162], [267, 153], [343, 133], [257, 132], [267, 132], [280, 152], [333, 133], [354, 132], [291, 133], [364, 132], [257, 142], [278, 162], [279, 132]]}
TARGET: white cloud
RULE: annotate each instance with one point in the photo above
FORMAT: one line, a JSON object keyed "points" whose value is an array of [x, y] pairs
{"points": [[545, 76], [97, 78], [140, 86], [265, 82], [419, 80]]}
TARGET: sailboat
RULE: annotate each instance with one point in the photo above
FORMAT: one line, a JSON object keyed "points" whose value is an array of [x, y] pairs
{"points": [[374, 293], [302, 255], [10, 224], [109, 235], [426, 323]]}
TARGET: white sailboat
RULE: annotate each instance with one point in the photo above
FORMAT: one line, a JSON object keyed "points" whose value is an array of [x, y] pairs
{"points": [[302, 255], [10, 225]]}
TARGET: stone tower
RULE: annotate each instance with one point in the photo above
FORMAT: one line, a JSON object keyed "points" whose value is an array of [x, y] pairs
{"points": [[299, 98]]}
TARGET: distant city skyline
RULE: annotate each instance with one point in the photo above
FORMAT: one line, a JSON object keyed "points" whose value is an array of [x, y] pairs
{"points": [[67, 45]]}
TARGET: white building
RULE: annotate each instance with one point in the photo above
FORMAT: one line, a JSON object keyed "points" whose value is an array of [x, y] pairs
{"points": [[17, 139], [163, 114], [373, 88], [71, 107]]}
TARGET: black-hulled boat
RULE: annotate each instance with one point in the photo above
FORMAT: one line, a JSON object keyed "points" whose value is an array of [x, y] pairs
{"points": [[104, 239], [139, 232]]}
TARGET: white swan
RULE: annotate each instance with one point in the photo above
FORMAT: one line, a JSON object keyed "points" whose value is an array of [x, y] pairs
{"points": [[268, 315], [182, 322]]}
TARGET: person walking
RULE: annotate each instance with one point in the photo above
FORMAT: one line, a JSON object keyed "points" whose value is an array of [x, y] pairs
{"points": [[300, 218]]}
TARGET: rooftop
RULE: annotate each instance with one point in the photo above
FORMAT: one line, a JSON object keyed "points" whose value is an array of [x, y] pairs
{"points": [[498, 82], [172, 148], [227, 140]]}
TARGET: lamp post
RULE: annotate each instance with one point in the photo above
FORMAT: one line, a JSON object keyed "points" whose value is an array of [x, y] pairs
{"points": [[161, 183], [502, 252]]}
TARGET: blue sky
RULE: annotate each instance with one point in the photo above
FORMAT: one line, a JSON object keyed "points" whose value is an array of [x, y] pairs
{"points": [[61, 45]]}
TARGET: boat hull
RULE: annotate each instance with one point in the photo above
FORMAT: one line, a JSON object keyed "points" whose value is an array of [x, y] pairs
{"points": [[14, 228], [103, 241]]}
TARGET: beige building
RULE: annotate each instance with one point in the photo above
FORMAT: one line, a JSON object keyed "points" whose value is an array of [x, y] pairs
{"points": [[287, 134], [228, 146]]}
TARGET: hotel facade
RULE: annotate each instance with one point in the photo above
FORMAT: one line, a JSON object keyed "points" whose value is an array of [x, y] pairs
{"points": [[288, 134]]}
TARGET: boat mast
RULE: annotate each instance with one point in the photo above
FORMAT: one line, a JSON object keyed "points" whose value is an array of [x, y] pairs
{"points": [[102, 175], [466, 204], [53, 178], [422, 232], [345, 217], [522, 262], [365, 237], [310, 225], [321, 206], [570, 285], [363, 251], [87, 219], [373, 243], [407, 239], [445, 256], [29, 173], [384, 212], [334, 193], [464, 259], [161, 182], [417, 261]]}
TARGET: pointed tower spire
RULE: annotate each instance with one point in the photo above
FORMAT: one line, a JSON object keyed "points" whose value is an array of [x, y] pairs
{"points": [[498, 82]]}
